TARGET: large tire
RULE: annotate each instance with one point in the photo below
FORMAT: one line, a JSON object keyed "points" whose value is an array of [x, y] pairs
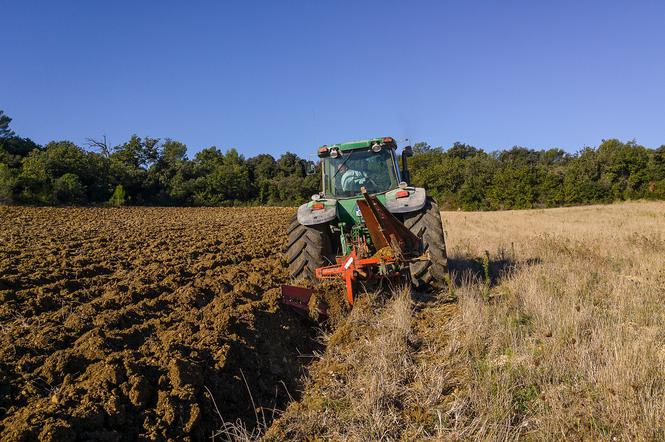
{"points": [[308, 248], [426, 223]]}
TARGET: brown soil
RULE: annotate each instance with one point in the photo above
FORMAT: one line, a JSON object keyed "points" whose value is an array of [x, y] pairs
{"points": [[115, 323]]}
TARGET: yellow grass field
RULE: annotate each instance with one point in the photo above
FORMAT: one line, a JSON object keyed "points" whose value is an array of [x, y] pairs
{"points": [[569, 342], [554, 330]]}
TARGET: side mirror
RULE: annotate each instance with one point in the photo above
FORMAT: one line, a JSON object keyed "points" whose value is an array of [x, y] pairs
{"points": [[311, 168], [406, 153]]}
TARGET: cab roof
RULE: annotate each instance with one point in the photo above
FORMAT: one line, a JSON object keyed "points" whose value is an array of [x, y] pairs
{"points": [[364, 144]]}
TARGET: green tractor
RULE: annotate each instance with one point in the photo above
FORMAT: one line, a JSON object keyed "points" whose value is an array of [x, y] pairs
{"points": [[366, 206]]}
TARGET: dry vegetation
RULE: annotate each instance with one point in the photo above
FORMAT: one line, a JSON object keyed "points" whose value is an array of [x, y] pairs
{"points": [[382, 377], [557, 334], [568, 342]]}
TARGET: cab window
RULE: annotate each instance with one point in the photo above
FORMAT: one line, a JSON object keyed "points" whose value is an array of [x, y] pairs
{"points": [[346, 174]]}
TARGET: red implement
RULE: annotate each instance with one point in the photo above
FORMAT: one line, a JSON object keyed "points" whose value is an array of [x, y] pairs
{"points": [[350, 267], [298, 298]]}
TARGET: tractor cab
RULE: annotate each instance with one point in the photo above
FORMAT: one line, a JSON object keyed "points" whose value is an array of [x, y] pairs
{"points": [[348, 167]]}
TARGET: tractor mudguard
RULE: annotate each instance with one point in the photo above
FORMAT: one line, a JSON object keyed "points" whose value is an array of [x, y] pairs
{"points": [[415, 200], [308, 215]]}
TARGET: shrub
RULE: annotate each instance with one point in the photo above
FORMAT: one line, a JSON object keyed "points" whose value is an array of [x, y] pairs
{"points": [[69, 189], [118, 197], [7, 183]]}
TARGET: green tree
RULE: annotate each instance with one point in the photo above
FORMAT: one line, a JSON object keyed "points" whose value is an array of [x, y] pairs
{"points": [[262, 169], [310, 185], [7, 184], [288, 190], [422, 170], [581, 181], [129, 165], [69, 189], [172, 156], [262, 166], [462, 151], [624, 168], [61, 157], [90, 168], [14, 149], [656, 174], [421, 147], [289, 164], [5, 131], [172, 152], [33, 183], [512, 188], [229, 181], [220, 178], [182, 186], [462, 176], [137, 153], [479, 172]]}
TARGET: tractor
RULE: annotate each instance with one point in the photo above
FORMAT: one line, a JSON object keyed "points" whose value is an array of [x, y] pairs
{"points": [[367, 223]]}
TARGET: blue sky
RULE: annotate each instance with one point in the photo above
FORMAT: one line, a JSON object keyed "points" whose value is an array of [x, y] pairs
{"points": [[287, 75]]}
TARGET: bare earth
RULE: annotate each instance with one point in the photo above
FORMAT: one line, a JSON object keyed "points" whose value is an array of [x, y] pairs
{"points": [[115, 323]]}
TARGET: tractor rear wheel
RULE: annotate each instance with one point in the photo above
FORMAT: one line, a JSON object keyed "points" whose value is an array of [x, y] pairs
{"points": [[308, 248], [426, 224]]}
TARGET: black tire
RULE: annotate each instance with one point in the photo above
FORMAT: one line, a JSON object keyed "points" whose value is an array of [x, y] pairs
{"points": [[426, 223], [308, 248]]}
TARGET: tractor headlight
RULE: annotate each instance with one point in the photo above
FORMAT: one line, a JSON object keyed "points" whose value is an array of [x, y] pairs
{"points": [[334, 153], [376, 148]]}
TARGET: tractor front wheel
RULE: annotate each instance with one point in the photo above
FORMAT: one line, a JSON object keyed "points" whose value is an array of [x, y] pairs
{"points": [[426, 224], [308, 248]]}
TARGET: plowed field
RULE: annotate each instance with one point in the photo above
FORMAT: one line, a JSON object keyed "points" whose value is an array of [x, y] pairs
{"points": [[115, 323]]}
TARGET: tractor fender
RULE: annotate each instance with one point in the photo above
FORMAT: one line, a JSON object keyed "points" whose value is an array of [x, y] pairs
{"points": [[308, 216], [415, 201]]}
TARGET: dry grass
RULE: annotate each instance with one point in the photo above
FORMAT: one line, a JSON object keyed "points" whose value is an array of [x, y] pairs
{"points": [[568, 342], [370, 384], [558, 334]]}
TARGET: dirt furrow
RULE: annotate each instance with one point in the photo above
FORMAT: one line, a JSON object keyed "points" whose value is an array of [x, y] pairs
{"points": [[115, 323]]}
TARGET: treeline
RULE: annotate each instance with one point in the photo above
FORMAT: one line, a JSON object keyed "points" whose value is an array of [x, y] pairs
{"points": [[464, 177], [145, 171], [150, 171]]}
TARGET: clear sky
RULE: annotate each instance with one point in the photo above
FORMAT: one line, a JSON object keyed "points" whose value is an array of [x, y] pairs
{"points": [[271, 76]]}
